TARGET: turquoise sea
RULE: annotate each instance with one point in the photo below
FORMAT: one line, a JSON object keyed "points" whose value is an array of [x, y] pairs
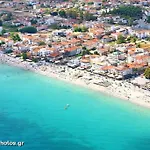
{"points": [[32, 111]]}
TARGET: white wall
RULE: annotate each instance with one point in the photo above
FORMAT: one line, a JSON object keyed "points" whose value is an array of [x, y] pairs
{"points": [[1, 28]]}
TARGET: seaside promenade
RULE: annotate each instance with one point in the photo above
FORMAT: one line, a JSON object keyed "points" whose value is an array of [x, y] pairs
{"points": [[121, 89]]}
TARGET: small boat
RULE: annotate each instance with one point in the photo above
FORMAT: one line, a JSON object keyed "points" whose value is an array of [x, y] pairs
{"points": [[66, 107]]}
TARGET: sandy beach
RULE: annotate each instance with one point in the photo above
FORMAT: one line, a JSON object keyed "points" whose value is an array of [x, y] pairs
{"points": [[121, 89]]}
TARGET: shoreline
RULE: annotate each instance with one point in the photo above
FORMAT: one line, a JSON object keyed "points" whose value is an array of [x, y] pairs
{"points": [[119, 89]]}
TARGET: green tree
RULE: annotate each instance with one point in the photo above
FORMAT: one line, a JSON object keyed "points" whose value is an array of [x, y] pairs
{"points": [[28, 29], [130, 21], [85, 52], [81, 29], [24, 56], [128, 11], [148, 19], [8, 16], [1, 43], [88, 16], [111, 21], [62, 13], [33, 21], [121, 39], [138, 45], [1, 23], [90, 3], [3, 31], [72, 13], [147, 73], [15, 37], [81, 15], [47, 11], [49, 45], [35, 60], [41, 43], [133, 39]]}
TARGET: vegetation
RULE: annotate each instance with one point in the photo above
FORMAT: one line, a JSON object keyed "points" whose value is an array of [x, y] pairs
{"points": [[24, 56], [10, 28], [148, 19], [87, 16], [85, 51], [128, 11], [147, 73], [35, 60], [47, 11], [58, 26], [49, 45], [130, 21], [33, 21], [9, 51], [2, 32], [111, 21], [28, 29], [15, 37], [90, 3], [74, 13], [62, 13], [81, 29], [1, 23], [121, 39], [132, 39], [41, 43], [7, 16], [148, 38], [1, 43], [138, 45]]}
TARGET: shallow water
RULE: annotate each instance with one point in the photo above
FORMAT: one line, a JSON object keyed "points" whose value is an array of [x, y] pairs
{"points": [[32, 110]]}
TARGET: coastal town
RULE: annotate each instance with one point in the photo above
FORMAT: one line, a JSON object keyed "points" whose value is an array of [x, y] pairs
{"points": [[103, 45]]}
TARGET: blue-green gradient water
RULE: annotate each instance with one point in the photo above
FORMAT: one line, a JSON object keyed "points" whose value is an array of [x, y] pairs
{"points": [[32, 110]]}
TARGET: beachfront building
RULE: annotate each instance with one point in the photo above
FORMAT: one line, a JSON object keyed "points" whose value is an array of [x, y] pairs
{"points": [[72, 51]]}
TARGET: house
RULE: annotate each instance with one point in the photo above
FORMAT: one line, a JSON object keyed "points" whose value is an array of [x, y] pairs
{"points": [[141, 34], [35, 50], [42, 27], [136, 67], [73, 63], [96, 32], [103, 50], [72, 51], [95, 59], [107, 69], [116, 35], [44, 52], [140, 59], [106, 39], [91, 43], [97, 4], [123, 31], [85, 62], [23, 48], [123, 71], [50, 21], [59, 32]]}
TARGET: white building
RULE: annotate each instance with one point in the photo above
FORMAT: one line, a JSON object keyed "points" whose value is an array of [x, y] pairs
{"points": [[1, 29]]}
